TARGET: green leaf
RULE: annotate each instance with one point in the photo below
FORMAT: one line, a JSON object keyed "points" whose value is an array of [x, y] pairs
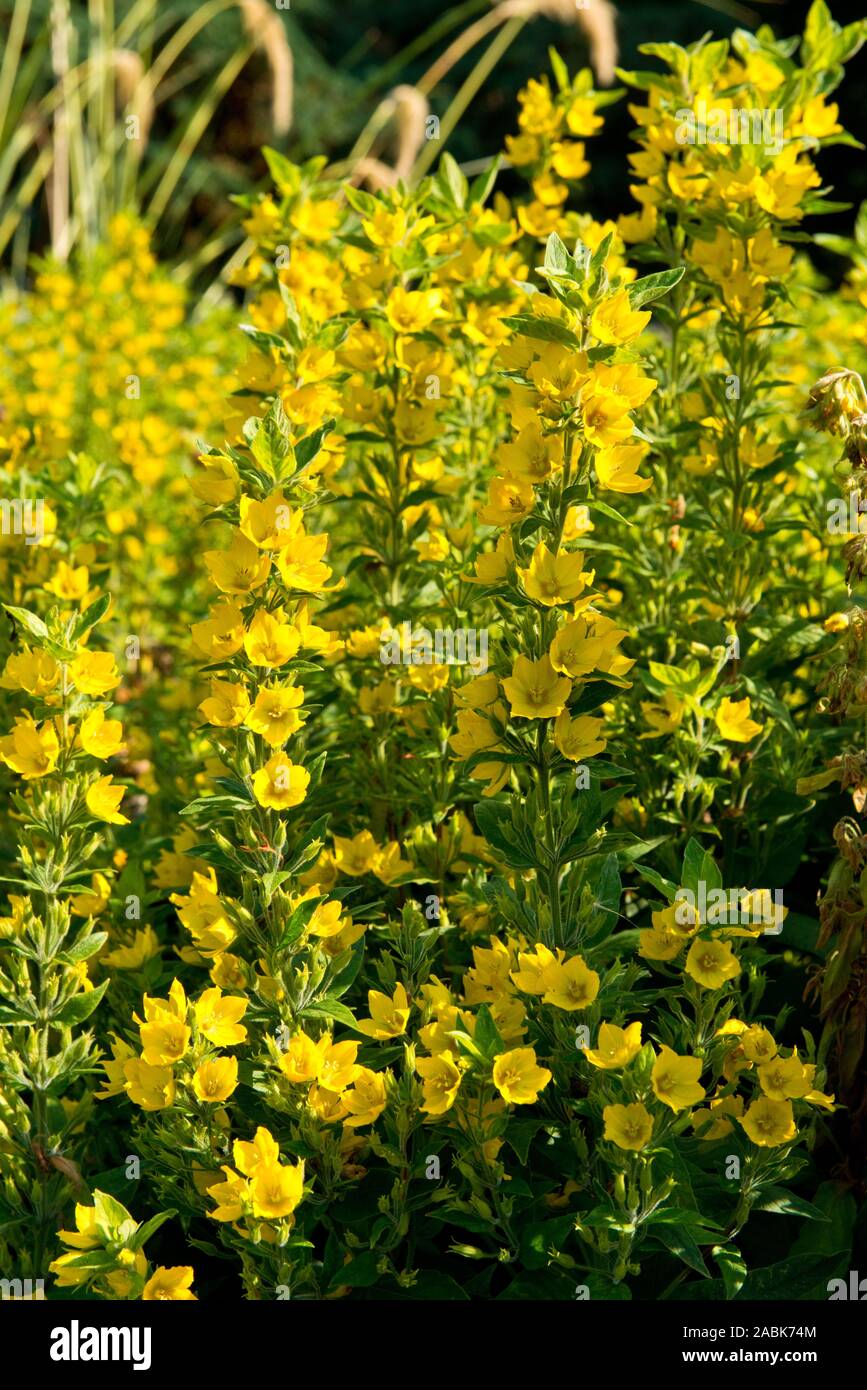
{"points": [[731, 1267], [81, 1006], [542, 1285], [836, 1233], [84, 947], [286, 175], [559, 69], [494, 820], [651, 287], [296, 924], [91, 616], [607, 892], [307, 448], [486, 1034], [30, 621], [269, 439], [699, 866], [453, 181], [663, 885], [783, 1203], [548, 330], [802, 1277], [681, 1244], [481, 186], [147, 1229], [360, 1273], [519, 1135], [540, 1236], [329, 1007], [110, 1214], [606, 510], [556, 255]]}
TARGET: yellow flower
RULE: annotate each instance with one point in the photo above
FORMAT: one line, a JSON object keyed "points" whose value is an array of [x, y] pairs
{"points": [[412, 311], [239, 569], [357, 856], [327, 920], [615, 1047], [103, 798], [68, 582], [567, 159], [534, 690], [35, 672], [366, 1099], [377, 699], [580, 737], [270, 642], [226, 705], [586, 644], [221, 634], [388, 1015], [770, 1123], [270, 524], [274, 715], [231, 1197], [389, 865], [664, 716], [153, 1088], [733, 721], [276, 1189], [532, 456], [581, 118], [718, 1118], [302, 1060], [145, 945], [518, 1077], [557, 375], [441, 1079], [759, 1045], [570, 984], [662, 941], [92, 903], [555, 579], [385, 227], [628, 1126], [317, 219], [94, 673], [475, 733], [29, 749], [100, 737], [675, 1080], [301, 567], [164, 1039], [217, 1017], [835, 622], [172, 1285], [711, 963], [617, 468], [280, 783], [338, 1068], [86, 1235], [614, 321], [249, 1155], [531, 976], [509, 501], [786, 1078], [216, 1080]]}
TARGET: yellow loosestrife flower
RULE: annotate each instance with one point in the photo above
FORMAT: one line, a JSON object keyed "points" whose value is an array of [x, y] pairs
{"points": [[518, 1076], [628, 1126]]}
